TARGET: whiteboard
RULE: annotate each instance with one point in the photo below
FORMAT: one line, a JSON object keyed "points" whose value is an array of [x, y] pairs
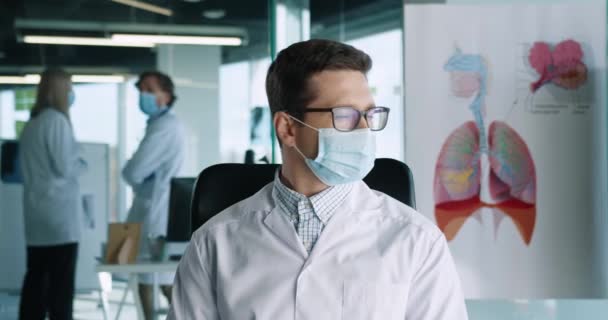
{"points": [[94, 184]]}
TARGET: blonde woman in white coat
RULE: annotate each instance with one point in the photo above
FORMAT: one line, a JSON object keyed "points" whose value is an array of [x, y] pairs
{"points": [[50, 163]]}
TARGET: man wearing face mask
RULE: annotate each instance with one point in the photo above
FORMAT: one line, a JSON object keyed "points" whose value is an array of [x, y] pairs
{"points": [[317, 243], [149, 172]]}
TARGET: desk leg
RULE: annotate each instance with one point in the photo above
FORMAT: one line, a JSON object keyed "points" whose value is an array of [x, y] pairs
{"points": [[134, 285], [105, 306], [155, 296], [105, 285], [123, 299]]}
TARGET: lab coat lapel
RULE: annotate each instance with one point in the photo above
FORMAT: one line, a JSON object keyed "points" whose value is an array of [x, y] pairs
{"points": [[276, 220], [346, 219]]}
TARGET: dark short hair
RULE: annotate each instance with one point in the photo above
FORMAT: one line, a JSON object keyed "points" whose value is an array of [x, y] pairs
{"points": [[165, 82], [287, 80]]}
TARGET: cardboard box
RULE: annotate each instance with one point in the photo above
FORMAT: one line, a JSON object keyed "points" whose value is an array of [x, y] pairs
{"points": [[123, 243]]}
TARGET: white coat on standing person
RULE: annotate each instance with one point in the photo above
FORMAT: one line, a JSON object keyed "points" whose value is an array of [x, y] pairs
{"points": [[156, 161], [50, 164], [317, 243]]}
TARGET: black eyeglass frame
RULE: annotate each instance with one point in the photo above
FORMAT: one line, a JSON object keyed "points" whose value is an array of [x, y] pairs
{"points": [[363, 114]]}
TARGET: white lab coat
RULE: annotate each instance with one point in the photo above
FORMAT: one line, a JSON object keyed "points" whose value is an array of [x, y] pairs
{"points": [[375, 259], [50, 165], [156, 161]]}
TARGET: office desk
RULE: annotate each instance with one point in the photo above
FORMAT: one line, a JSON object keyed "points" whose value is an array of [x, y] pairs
{"points": [[133, 270]]}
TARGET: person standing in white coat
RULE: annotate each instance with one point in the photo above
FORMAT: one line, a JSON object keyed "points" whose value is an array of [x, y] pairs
{"points": [[317, 243], [50, 164], [156, 161]]}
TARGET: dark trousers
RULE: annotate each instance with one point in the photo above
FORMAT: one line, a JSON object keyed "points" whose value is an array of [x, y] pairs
{"points": [[146, 294], [48, 287]]}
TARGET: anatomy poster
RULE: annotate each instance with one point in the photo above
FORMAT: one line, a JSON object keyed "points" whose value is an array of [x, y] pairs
{"points": [[505, 110]]}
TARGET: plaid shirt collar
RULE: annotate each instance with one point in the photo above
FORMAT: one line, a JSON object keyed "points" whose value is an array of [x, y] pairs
{"points": [[324, 204]]}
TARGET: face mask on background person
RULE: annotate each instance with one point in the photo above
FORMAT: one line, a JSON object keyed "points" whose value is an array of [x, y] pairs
{"points": [[147, 104], [71, 98]]}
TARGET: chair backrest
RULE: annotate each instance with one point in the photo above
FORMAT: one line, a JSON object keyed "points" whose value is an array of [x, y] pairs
{"points": [[220, 186], [179, 222]]}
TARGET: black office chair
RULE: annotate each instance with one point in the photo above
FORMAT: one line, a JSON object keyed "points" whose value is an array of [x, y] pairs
{"points": [[220, 186]]}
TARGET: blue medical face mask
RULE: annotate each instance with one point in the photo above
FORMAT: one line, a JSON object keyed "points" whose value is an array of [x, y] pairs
{"points": [[71, 98], [147, 104], [344, 157]]}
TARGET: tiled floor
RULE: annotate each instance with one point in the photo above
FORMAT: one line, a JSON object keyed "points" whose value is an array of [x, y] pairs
{"points": [[86, 306], [538, 309]]}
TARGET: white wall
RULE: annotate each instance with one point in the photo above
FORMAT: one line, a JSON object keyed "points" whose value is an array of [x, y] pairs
{"points": [[2, 116], [195, 71], [243, 87], [95, 113], [7, 114], [235, 111], [385, 80]]}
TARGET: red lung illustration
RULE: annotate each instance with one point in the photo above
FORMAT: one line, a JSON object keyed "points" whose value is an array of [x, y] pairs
{"points": [[457, 173], [563, 66], [459, 178], [512, 174]]}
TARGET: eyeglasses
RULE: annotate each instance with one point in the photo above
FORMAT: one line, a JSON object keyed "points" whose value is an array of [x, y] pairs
{"points": [[347, 118]]}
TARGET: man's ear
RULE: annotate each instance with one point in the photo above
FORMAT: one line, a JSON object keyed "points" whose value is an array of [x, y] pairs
{"points": [[285, 129]]}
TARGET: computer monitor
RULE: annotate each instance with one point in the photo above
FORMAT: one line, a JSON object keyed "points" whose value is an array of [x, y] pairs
{"points": [[180, 202], [9, 162]]}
